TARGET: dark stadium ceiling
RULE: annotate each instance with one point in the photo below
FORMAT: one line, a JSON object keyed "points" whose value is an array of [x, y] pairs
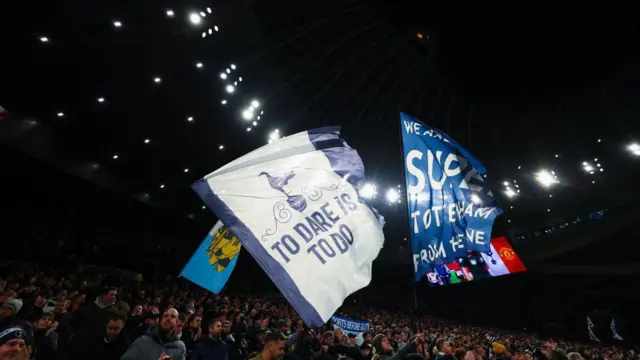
{"points": [[144, 98]]}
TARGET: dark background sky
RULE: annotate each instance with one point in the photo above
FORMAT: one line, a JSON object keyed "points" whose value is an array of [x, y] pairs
{"points": [[515, 83]]}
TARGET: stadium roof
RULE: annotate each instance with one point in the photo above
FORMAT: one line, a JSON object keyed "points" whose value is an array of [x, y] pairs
{"points": [[144, 98]]}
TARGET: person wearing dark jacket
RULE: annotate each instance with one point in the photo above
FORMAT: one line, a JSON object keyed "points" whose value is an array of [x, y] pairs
{"points": [[212, 347], [384, 351], [237, 342], [445, 351], [110, 346], [45, 338], [91, 319], [160, 342]]}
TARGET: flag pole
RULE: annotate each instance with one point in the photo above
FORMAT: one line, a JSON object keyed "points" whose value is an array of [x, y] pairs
{"points": [[406, 218]]}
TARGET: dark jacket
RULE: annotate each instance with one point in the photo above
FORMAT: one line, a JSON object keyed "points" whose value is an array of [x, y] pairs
{"points": [[98, 349], [149, 347], [91, 319], [210, 349]]}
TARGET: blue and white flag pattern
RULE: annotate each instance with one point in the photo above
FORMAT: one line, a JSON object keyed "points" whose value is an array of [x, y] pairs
{"points": [[451, 211], [213, 262], [354, 327], [301, 218]]}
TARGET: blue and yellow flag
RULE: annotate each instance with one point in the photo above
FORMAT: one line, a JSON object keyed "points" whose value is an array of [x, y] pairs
{"points": [[211, 265]]}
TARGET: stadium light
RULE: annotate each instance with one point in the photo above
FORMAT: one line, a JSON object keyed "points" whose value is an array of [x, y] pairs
{"points": [[510, 193], [368, 191], [545, 178], [247, 114], [195, 18], [230, 89], [393, 196], [634, 149]]}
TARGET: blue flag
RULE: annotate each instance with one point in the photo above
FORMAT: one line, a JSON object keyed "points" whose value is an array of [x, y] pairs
{"points": [[451, 211], [211, 265]]}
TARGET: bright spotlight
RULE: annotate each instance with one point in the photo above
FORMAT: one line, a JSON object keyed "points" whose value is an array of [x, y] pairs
{"points": [[368, 191], [475, 199], [275, 135], [221, 147], [510, 193], [233, 66], [170, 13], [230, 89], [60, 114], [634, 149], [545, 178], [255, 104], [157, 80], [223, 76], [199, 65], [255, 123], [223, 102], [247, 114], [506, 183], [588, 168], [195, 18], [117, 24], [44, 39], [228, 71], [393, 196]]}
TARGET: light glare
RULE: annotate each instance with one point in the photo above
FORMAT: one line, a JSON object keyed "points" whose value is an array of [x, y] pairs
{"points": [[230, 89], [545, 178], [195, 18], [368, 191], [393, 196]]}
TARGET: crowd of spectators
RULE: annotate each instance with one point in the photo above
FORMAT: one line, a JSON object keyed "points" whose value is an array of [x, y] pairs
{"points": [[95, 315]]}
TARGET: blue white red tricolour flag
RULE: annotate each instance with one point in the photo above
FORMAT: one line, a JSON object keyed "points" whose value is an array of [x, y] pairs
{"points": [[451, 211], [299, 215]]}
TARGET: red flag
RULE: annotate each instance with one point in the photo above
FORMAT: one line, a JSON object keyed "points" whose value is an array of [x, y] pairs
{"points": [[509, 257]]}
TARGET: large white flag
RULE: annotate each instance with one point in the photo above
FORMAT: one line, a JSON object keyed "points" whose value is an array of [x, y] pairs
{"points": [[300, 217]]}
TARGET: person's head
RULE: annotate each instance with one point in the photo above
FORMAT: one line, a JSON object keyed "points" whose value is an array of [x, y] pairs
{"points": [[404, 336], [444, 347], [11, 342], [108, 295], [299, 324], [282, 325], [367, 336], [10, 308], [44, 322], [137, 310], [62, 306], [226, 327], [381, 344], [195, 322], [327, 338], [575, 356], [273, 346], [114, 327], [169, 320], [338, 333], [215, 328], [7, 295], [182, 319]]}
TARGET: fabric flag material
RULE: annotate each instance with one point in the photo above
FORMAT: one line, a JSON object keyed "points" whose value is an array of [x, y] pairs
{"points": [[301, 218], [616, 336], [590, 327], [3, 113], [451, 211], [214, 260], [504, 259], [353, 327]]}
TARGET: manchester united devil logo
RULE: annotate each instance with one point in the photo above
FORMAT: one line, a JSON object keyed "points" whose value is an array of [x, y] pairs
{"points": [[506, 253]]}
